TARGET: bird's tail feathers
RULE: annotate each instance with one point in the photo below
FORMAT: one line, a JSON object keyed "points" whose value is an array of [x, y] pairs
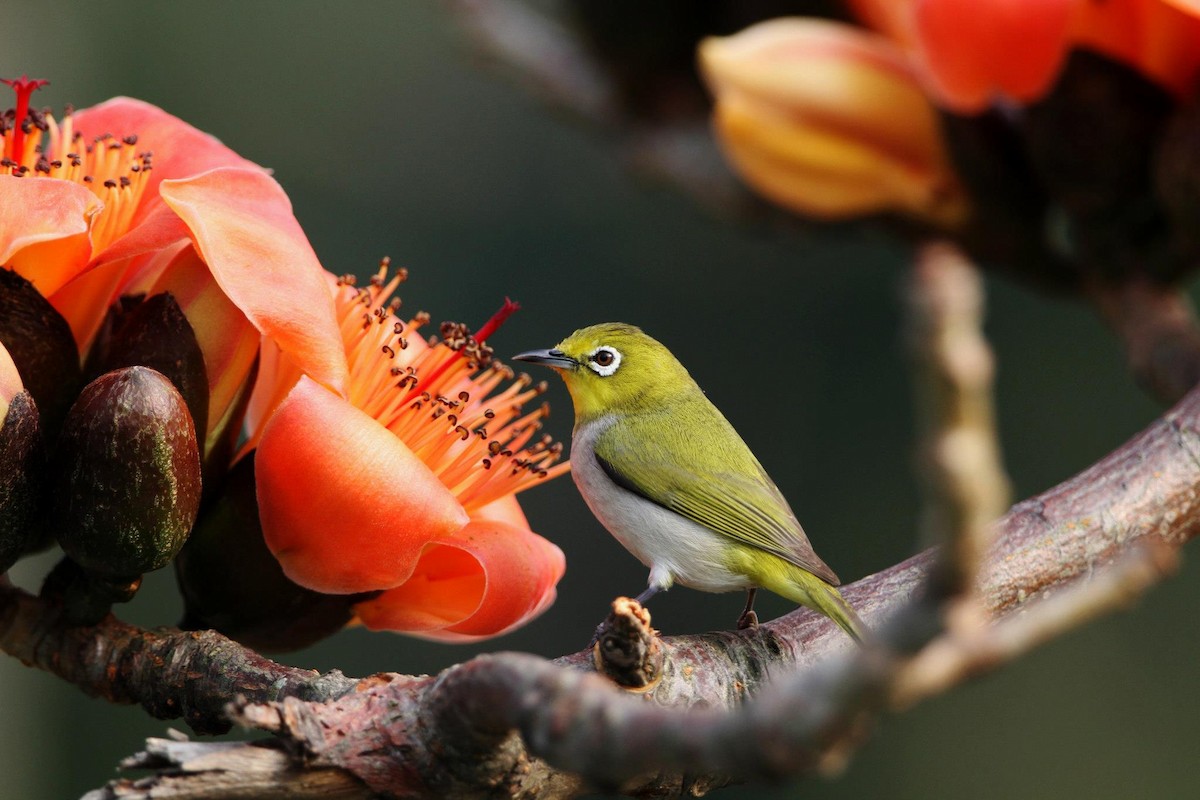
{"points": [[803, 587], [829, 601]]}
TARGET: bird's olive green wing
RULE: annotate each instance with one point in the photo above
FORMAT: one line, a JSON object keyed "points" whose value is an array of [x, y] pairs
{"points": [[709, 477]]}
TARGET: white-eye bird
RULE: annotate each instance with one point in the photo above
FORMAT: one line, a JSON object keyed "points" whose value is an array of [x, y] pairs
{"points": [[669, 477]]}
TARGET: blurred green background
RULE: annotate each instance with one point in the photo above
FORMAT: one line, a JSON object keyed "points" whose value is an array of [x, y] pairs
{"points": [[391, 139]]}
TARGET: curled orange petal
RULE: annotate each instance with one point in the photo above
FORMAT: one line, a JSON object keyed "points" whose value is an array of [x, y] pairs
{"points": [[345, 506], [483, 580], [242, 224], [44, 229], [226, 338]]}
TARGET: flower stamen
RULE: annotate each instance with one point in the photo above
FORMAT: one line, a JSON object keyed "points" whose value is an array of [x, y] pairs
{"points": [[35, 144], [445, 397]]}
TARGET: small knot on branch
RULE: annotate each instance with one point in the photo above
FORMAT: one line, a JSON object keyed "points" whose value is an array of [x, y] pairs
{"points": [[628, 650]]}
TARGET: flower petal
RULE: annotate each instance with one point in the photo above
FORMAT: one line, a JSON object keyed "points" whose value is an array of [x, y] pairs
{"points": [[44, 229], [179, 149], [1159, 38], [345, 506], [226, 338], [160, 228], [974, 50], [242, 224], [506, 510], [482, 581]]}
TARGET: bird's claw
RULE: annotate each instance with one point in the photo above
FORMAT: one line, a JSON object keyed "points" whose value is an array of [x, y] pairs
{"points": [[748, 619]]}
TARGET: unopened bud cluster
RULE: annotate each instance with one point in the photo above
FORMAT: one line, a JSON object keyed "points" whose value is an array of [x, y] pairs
{"points": [[101, 458]]}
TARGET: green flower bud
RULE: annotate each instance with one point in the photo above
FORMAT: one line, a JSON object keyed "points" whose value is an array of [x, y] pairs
{"points": [[232, 583], [20, 465], [126, 474], [41, 345]]}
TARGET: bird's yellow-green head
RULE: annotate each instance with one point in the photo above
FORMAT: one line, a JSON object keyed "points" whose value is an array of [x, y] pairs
{"points": [[614, 367]]}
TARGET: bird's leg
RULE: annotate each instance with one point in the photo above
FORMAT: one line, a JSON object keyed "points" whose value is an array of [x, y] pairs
{"points": [[748, 619], [649, 592]]}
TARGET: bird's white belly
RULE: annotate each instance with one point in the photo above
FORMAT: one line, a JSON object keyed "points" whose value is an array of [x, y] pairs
{"points": [[676, 549]]}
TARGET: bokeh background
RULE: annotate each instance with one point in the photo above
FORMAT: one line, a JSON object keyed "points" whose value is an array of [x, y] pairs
{"points": [[393, 139]]}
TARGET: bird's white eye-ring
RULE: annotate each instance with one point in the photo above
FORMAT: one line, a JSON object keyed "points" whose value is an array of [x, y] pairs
{"points": [[604, 360]]}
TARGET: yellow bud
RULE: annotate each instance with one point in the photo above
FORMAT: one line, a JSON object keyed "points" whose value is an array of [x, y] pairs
{"points": [[828, 120]]}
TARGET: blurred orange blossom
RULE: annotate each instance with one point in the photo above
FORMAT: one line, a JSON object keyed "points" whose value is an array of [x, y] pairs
{"points": [[829, 120], [972, 53]]}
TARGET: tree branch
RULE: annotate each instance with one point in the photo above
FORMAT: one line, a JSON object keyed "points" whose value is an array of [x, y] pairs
{"points": [[527, 727], [170, 673]]}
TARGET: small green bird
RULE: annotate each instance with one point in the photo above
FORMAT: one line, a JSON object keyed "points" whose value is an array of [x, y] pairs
{"points": [[670, 478]]}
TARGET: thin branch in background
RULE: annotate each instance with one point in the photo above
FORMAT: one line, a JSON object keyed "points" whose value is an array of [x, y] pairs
{"points": [[961, 655], [550, 59], [958, 452], [543, 54]]}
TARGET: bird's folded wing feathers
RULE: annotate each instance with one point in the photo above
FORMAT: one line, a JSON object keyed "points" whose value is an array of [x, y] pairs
{"points": [[752, 512]]}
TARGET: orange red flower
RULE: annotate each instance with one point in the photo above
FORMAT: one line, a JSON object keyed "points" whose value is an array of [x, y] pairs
{"points": [[405, 485], [124, 198], [386, 464]]}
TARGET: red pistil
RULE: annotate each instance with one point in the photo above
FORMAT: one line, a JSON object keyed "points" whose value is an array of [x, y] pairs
{"points": [[487, 330], [24, 86], [497, 319]]}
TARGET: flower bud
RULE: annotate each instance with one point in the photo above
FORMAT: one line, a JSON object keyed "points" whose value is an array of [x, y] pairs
{"points": [[154, 333], [232, 583], [20, 462], [126, 474], [41, 345], [829, 121]]}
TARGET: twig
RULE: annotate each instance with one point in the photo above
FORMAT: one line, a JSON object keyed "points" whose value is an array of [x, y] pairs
{"points": [[541, 53], [552, 60], [464, 727], [966, 488], [961, 655]]}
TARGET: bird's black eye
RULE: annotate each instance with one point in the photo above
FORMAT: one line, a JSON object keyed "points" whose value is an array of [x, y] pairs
{"points": [[603, 358]]}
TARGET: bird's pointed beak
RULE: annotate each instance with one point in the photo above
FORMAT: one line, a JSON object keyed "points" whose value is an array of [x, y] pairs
{"points": [[555, 359]]}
